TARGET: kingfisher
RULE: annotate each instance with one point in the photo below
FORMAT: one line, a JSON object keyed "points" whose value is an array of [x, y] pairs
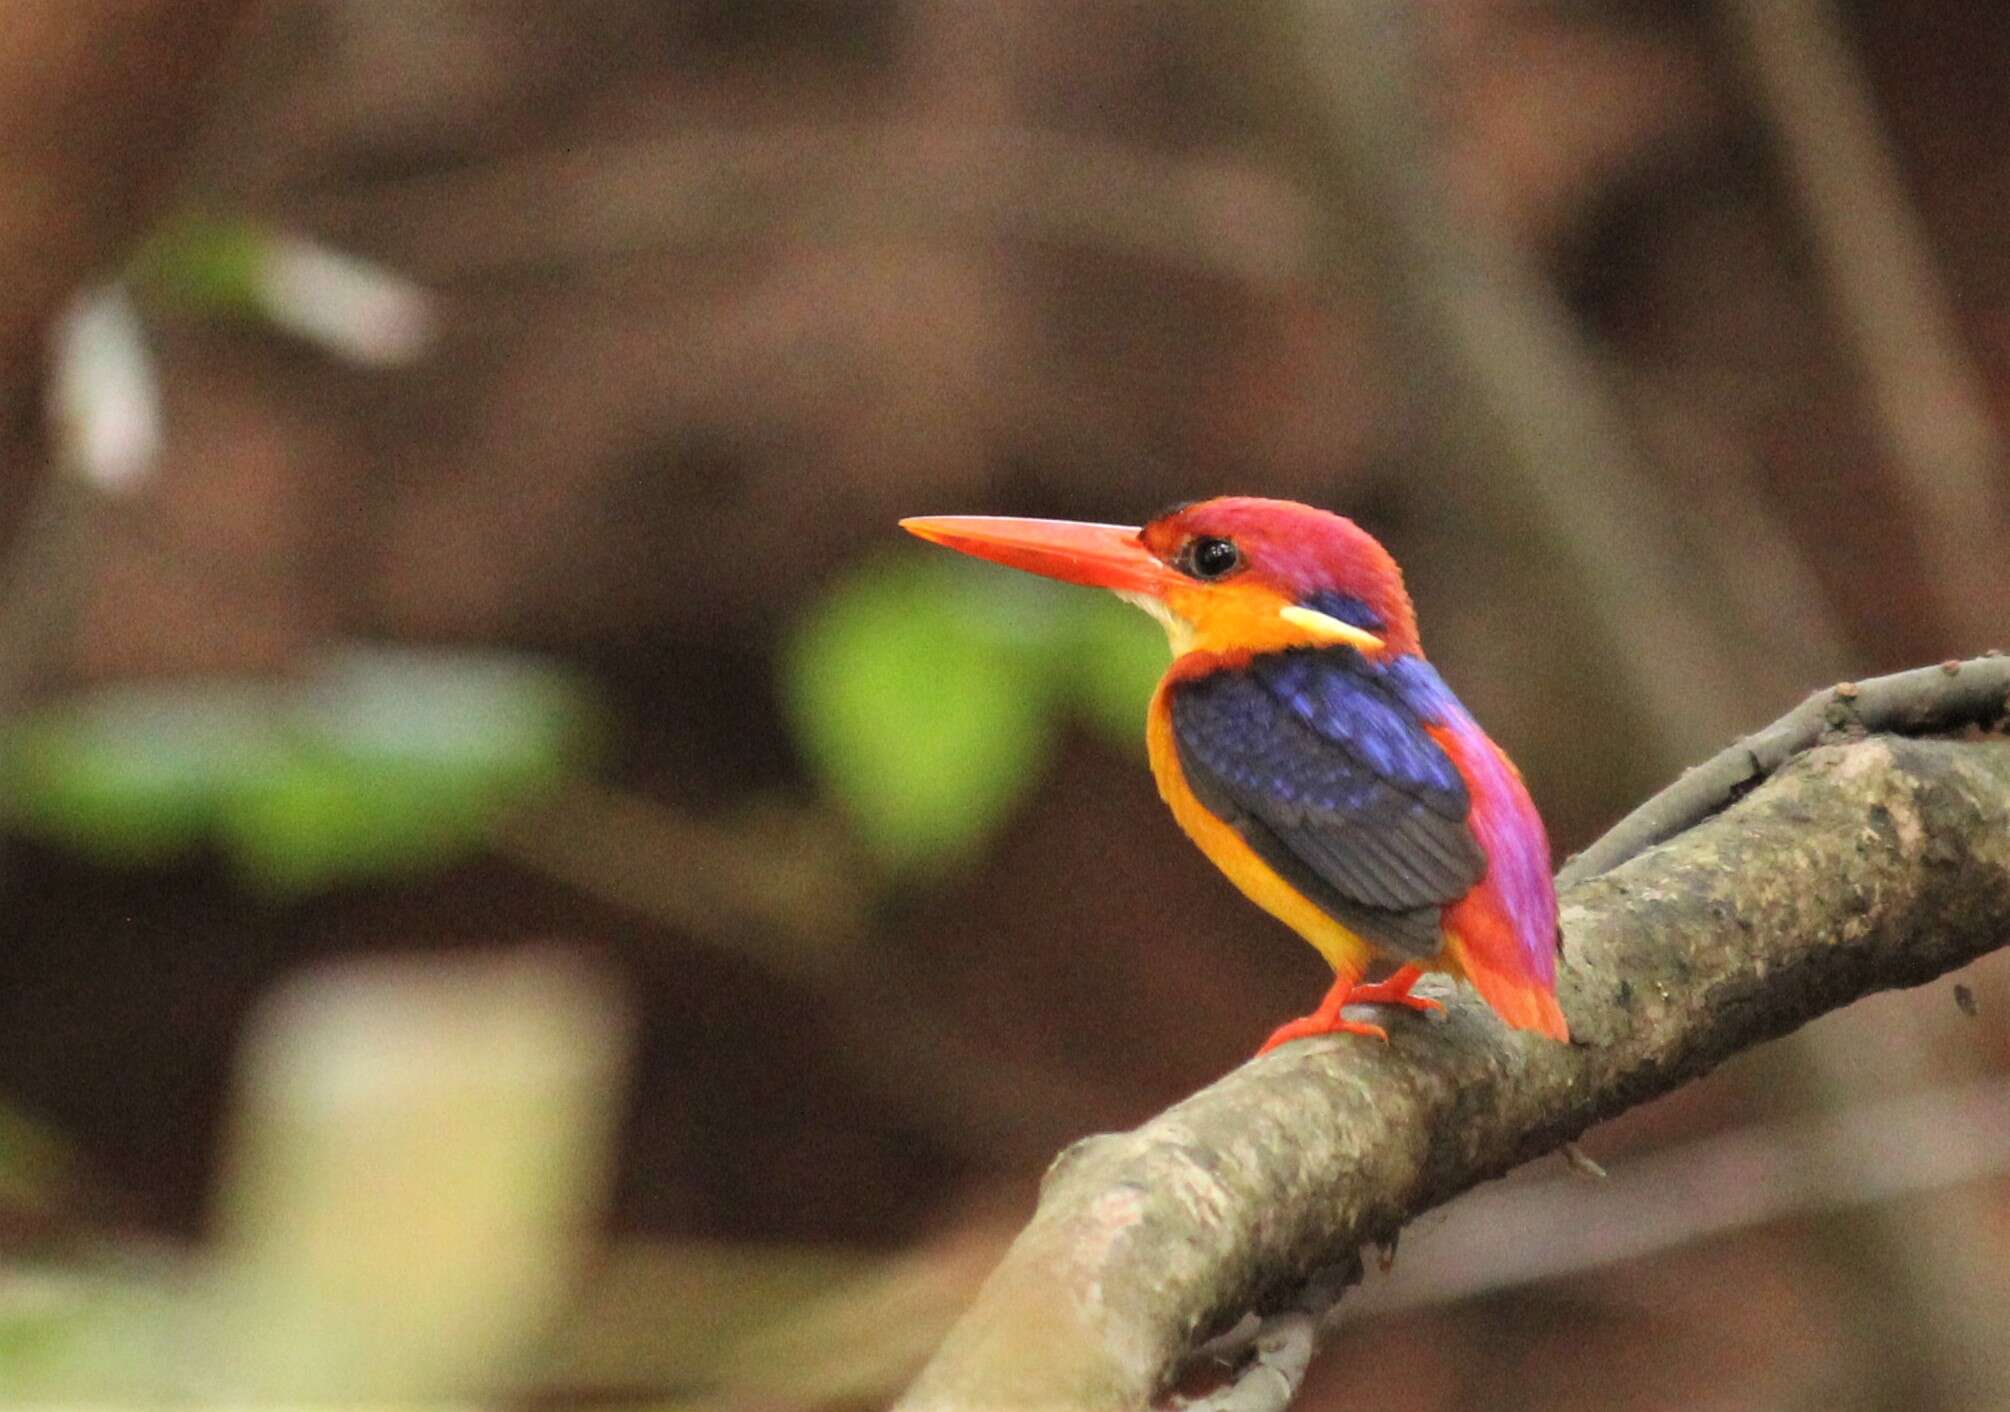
{"points": [[1305, 744]]}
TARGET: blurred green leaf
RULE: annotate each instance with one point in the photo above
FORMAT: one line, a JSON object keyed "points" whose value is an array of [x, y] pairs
{"points": [[134, 774], [927, 690], [920, 689], [1119, 655], [378, 760], [318, 817], [401, 759], [46, 1315], [204, 263]]}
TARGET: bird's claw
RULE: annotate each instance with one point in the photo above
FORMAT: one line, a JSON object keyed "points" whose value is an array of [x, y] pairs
{"points": [[1394, 990], [1389, 993], [1311, 1025]]}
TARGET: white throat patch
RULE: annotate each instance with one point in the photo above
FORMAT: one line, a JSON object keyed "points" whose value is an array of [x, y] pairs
{"points": [[1179, 632]]}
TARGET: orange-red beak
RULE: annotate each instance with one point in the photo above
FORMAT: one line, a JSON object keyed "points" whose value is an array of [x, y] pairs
{"points": [[1100, 556]]}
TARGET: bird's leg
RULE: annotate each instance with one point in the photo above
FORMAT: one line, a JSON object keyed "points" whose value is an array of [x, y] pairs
{"points": [[1326, 1019], [1394, 990]]}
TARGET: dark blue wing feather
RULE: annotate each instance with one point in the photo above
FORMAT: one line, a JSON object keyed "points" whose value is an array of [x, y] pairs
{"points": [[1320, 760], [1371, 715]]}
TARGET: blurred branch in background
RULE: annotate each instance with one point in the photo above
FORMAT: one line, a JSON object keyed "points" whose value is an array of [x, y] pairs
{"points": [[1500, 1237], [882, 181], [1944, 447], [768, 1326], [784, 889], [1514, 420]]}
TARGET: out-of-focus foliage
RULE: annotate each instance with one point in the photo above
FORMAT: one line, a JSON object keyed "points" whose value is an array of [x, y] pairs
{"points": [[927, 694], [205, 263], [351, 307], [419, 1154], [375, 761], [1117, 656]]}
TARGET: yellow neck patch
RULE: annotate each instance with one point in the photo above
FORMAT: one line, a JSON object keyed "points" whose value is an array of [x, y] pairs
{"points": [[1214, 618]]}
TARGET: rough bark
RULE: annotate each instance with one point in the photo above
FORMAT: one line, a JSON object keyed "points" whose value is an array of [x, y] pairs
{"points": [[1823, 872]]}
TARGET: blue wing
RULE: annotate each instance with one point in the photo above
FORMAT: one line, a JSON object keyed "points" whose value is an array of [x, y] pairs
{"points": [[1320, 760]]}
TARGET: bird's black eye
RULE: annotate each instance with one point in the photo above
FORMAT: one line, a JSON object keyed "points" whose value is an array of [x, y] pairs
{"points": [[1211, 558]]}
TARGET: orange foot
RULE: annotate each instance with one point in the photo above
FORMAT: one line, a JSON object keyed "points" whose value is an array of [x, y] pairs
{"points": [[1395, 990]]}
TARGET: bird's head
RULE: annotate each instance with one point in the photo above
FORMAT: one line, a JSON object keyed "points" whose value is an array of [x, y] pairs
{"points": [[1229, 576]]}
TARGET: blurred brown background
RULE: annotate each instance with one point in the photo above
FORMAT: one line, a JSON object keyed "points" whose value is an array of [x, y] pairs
{"points": [[1666, 345]]}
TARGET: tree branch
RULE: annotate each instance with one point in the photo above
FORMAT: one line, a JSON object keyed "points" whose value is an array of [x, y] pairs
{"points": [[1869, 863], [1919, 702]]}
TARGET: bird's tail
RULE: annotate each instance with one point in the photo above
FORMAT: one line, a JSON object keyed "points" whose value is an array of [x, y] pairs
{"points": [[1522, 1000]]}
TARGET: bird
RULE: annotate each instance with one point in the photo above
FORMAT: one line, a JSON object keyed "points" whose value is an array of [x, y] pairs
{"points": [[1305, 744]]}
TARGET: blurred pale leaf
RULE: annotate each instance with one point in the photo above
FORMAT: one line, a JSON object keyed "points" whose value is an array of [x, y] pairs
{"points": [[104, 393], [480, 715], [348, 305], [865, 1341], [377, 760], [921, 692], [419, 1158]]}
